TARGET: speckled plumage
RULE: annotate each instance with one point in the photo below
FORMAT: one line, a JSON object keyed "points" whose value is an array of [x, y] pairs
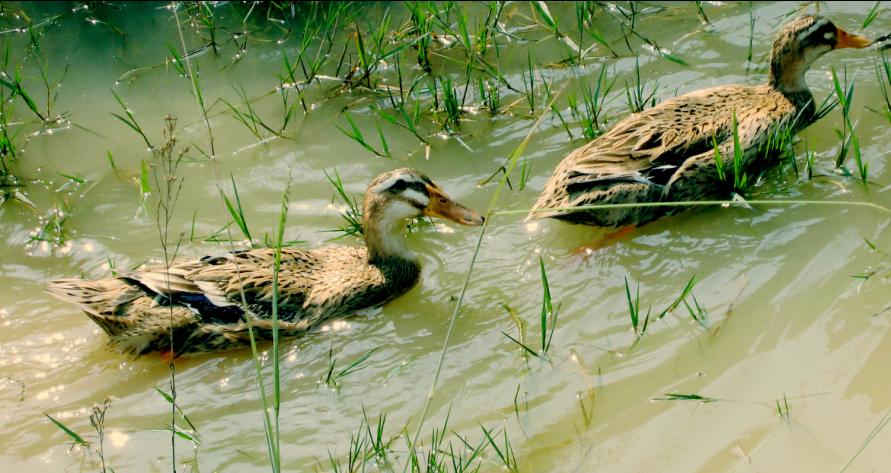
{"points": [[666, 153], [201, 299]]}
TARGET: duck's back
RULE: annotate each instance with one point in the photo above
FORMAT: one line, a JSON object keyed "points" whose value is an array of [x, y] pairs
{"points": [[202, 299], [646, 153]]}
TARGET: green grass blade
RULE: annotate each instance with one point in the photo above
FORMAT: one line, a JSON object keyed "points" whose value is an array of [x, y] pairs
{"points": [[72, 434]]}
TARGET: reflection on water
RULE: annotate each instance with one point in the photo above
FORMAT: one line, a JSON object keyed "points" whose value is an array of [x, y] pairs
{"points": [[783, 318]]}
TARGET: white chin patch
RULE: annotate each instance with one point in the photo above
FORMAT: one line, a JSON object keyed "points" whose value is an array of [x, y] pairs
{"points": [[400, 210]]}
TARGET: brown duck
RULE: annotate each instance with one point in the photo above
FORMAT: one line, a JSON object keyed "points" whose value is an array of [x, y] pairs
{"points": [[202, 298], [666, 153]]}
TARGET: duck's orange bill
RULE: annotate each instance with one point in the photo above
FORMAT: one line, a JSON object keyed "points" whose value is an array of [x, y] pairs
{"points": [[443, 207], [848, 40]]}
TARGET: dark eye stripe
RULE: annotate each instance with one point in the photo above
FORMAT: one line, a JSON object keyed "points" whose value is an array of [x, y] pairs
{"points": [[402, 185], [819, 36], [399, 185]]}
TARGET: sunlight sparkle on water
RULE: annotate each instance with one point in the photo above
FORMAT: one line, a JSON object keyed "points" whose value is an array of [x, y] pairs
{"points": [[118, 438], [336, 326]]}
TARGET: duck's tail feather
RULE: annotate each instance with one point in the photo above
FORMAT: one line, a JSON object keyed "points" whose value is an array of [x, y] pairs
{"points": [[100, 299]]}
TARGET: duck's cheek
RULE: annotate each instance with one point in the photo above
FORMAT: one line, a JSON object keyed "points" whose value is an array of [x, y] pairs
{"points": [[399, 210], [811, 54]]}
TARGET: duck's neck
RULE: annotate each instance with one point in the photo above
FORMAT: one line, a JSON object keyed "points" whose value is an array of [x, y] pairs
{"points": [[385, 239], [788, 79], [787, 71]]}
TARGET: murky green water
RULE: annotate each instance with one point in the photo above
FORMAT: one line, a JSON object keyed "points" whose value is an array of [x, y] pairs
{"points": [[786, 317]]}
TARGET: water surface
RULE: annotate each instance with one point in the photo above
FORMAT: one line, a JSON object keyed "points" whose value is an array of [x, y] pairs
{"points": [[787, 321]]}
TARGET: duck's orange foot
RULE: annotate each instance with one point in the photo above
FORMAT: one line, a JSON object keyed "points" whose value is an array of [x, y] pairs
{"points": [[167, 356], [586, 251]]}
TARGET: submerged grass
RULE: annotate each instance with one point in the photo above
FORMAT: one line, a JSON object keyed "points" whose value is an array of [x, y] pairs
{"points": [[637, 97], [844, 93], [547, 320], [334, 378]]}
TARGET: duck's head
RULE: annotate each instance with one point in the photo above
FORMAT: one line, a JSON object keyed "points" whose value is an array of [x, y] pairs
{"points": [[396, 196], [799, 43]]}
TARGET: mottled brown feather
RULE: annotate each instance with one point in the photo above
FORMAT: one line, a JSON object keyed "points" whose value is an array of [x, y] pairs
{"points": [[198, 304], [667, 152]]}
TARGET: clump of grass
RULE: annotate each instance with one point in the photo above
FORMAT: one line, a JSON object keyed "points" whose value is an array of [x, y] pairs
{"points": [[740, 179], [783, 410], [737, 163], [236, 211], [356, 135], [448, 103], [637, 97], [883, 76], [490, 96], [697, 312], [7, 139], [640, 322], [505, 451], [249, 117], [593, 100], [547, 320], [844, 93], [334, 378], [529, 82], [370, 448], [421, 20], [408, 122], [201, 15], [52, 226], [525, 172], [809, 155], [352, 215], [584, 13], [634, 311]]}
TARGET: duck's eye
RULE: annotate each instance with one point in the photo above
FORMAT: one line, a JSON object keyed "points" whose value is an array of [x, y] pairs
{"points": [[828, 36]]}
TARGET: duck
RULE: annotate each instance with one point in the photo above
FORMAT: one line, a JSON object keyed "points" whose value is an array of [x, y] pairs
{"points": [[202, 304], [668, 152]]}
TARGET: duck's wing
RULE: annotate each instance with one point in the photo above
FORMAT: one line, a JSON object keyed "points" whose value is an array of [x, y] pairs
{"points": [[645, 152], [215, 287], [654, 143]]}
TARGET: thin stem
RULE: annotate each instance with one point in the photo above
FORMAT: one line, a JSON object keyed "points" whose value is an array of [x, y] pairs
{"points": [[697, 203], [492, 202], [271, 444]]}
